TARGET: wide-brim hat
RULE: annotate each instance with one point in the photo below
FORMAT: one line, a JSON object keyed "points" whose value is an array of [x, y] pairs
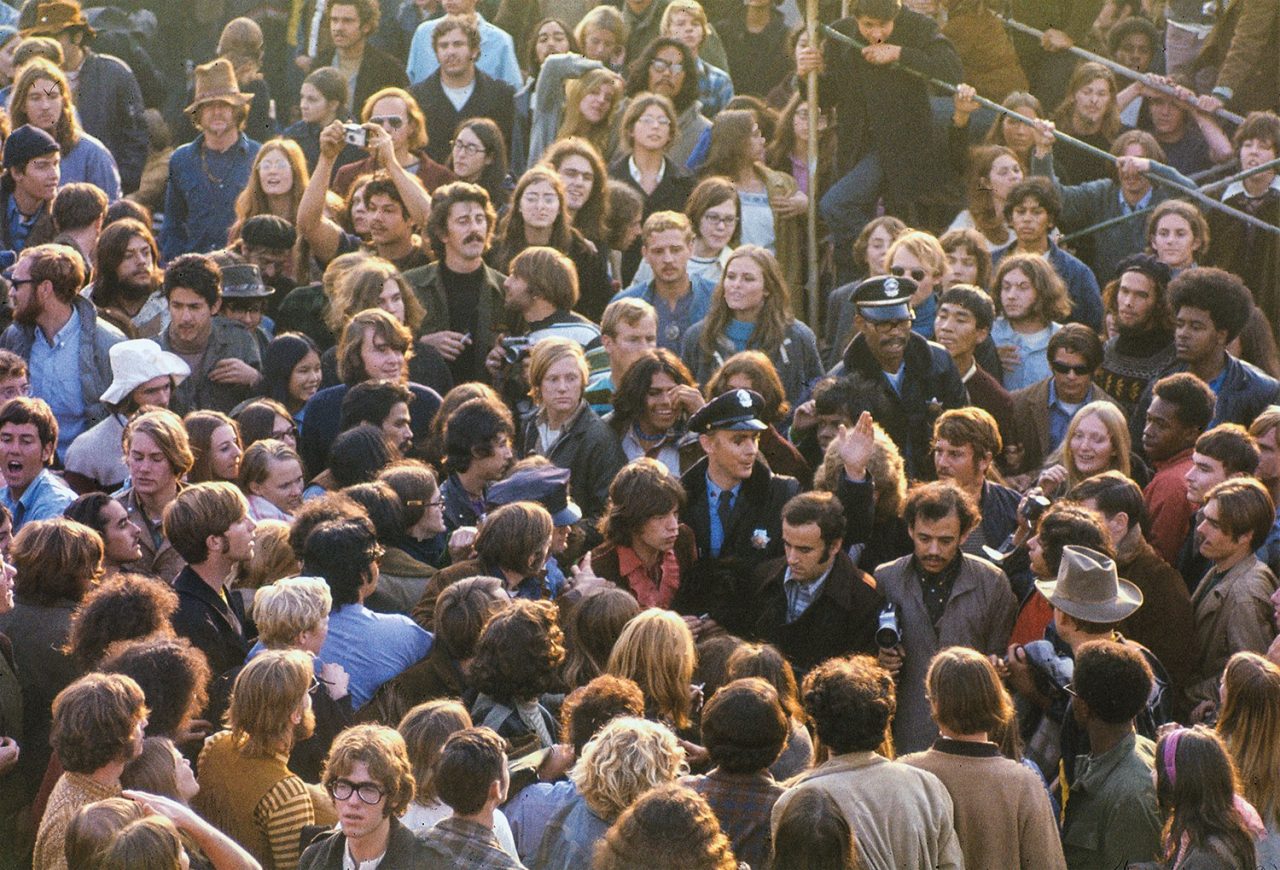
{"points": [[244, 281], [1088, 587], [56, 16], [216, 83], [136, 361]]}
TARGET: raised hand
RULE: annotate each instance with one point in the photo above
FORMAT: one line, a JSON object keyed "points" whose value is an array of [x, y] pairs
{"points": [[856, 445]]}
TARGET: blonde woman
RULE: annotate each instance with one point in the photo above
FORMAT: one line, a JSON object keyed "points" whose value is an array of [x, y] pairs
{"points": [[1249, 725], [624, 760], [750, 310], [1097, 440], [556, 93], [656, 651]]}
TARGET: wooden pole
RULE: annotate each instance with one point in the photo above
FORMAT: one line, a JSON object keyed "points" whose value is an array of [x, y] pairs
{"points": [[1118, 68], [811, 285]]}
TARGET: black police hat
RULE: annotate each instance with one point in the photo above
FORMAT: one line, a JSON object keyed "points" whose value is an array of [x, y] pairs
{"points": [[885, 297], [738, 410]]}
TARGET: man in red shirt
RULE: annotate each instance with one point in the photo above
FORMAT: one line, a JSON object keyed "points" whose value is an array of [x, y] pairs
{"points": [[1181, 408]]}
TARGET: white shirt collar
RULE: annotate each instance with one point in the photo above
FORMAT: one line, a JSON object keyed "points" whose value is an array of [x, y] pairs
{"points": [[1237, 187], [635, 170]]}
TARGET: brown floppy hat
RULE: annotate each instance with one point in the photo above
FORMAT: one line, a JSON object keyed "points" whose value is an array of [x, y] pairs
{"points": [[56, 16], [216, 83]]}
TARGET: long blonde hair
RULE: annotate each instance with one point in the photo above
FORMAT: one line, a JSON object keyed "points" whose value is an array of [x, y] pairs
{"points": [[1250, 726], [1117, 430], [574, 124], [656, 651], [775, 316]]}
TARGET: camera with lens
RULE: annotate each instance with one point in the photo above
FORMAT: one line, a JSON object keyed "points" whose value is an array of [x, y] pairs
{"points": [[514, 348], [887, 633], [355, 134], [1034, 507]]}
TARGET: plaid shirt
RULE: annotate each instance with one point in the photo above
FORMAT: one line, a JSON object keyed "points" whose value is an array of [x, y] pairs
{"points": [[742, 802], [461, 843]]}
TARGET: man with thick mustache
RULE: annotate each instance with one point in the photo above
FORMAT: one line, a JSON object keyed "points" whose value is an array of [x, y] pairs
{"points": [[462, 296], [911, 379]]}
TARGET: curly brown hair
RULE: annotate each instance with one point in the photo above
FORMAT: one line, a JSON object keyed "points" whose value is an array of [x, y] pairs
{"points": [[173, 675], [669, 826], [123, 607], [519, 653]]}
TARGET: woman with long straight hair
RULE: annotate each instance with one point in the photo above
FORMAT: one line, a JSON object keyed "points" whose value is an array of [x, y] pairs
{"points": [[1090, 113], [1249, 725], [771, 203], [1206, 823], [750, 311], [539, 216]]}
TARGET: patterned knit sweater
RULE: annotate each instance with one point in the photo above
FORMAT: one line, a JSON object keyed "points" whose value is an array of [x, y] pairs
{"points": [[1129, 363]]}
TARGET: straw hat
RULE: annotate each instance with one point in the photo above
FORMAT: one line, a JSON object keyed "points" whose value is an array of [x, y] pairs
{"points": [[216, 83], [1088, 587]]}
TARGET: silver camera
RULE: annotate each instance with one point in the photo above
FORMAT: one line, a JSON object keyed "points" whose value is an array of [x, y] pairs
{"points": [[355, 135]]}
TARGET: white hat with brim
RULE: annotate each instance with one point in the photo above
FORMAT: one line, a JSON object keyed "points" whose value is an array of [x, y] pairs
{"points": [[137, 361], [1088, 587]]}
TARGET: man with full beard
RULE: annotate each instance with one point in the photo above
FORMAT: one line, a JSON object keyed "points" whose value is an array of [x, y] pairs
{"points": [[246, 787], [1144, 347], [126, 287]]}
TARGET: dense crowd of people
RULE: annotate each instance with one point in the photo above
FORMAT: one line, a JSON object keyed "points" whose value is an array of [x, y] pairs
{"points": [[429, 439]]}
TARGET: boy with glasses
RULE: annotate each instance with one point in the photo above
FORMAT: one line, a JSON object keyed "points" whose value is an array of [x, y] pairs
{"points": [[370, 779]]}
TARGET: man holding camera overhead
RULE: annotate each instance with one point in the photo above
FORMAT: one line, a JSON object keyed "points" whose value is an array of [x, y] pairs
{"points": [[943, 597]]}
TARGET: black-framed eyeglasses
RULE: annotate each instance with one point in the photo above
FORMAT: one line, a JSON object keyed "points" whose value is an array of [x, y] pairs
{"points": [[469, 148], [18, 282], [1066, 368], [917, 275], [368, 792], [291, 432]]}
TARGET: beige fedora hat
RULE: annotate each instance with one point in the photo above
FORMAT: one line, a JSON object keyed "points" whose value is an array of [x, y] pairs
{"points": [[1088, 588]]}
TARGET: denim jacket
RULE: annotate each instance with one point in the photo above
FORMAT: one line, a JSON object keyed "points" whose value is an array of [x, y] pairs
{"points": [[200, 203]]}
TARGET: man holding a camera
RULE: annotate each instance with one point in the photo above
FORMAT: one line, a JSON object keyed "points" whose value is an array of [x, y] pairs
{"points": [[942, 597]]}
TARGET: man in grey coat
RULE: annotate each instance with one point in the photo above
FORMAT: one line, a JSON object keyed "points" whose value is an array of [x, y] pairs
{"points": [[943, 598]]}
